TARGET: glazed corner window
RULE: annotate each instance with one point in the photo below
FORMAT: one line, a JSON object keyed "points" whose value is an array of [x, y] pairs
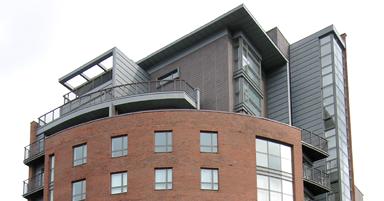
{"points": [[209, 179], [119, 146], [164, 79], [208, 142], [163, 141], [273, 155], [78, 190], [163, 179], [79, 155], [119, 182]]}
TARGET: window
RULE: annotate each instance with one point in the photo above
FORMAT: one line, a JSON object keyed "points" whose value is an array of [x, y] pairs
{"points": [[119, 182], [164, 79], [119, 146], [80, 155], [273, 155], [163, 141], [51, 176], [271, 188], [209, 179], [270, 184], [208, 142], [51, 168], [163, 179], [78, 190]]}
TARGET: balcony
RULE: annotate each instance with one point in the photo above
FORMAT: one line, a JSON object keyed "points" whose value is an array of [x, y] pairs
{"points": [[315, 147], [34, 152], [316, 180], [33, 186], [169, 94]]}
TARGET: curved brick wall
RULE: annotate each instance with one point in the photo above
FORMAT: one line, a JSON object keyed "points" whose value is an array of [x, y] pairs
{"points": [[236, 157]]}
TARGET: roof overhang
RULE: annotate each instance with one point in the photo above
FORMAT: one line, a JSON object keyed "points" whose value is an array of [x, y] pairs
{"points": [[80, 70], [238, 19]]}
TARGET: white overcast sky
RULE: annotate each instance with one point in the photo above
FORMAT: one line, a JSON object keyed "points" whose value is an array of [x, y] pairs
{"points": [[40, 41]]}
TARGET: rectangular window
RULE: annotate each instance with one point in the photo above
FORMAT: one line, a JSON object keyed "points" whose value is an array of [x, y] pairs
{"points": [[119, 182], [51, 169], [209, 179], [78, 190], [163, 179], [51, 176], [80, 155], [164, 79], [119, 146], [208, 142], [163, 141]]}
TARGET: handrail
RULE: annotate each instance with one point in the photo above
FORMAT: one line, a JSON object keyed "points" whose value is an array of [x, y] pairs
{"points": [[314, 139], [316, 176], [34, 149], [117, 92], [33, 183]]}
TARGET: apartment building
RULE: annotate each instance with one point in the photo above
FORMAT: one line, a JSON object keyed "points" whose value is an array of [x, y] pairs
{"points": [[227, 112]]}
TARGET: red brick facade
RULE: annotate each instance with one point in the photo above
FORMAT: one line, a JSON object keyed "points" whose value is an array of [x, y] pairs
{"points": [[235, 159]]}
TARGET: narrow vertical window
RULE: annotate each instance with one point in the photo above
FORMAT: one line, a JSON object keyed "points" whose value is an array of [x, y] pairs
{"points": [[163, 141], [163, 179], [119, 146], [79, 190], [79, 155], [209, 179], [119, 182], [51, 176], [208, 142]]}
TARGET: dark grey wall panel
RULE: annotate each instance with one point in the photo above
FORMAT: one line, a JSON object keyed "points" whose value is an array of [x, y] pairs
{"points": [[208, 68], [306, 84], [277, 95]]}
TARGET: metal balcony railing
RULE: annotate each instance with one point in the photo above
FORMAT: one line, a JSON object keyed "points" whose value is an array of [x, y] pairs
{"points": [[116, 92], [316, 176], [314, 140], [33, 184], [34, 149]]}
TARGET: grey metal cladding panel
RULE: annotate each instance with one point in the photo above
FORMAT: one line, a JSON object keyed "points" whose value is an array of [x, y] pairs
{"points": [[311, 126], [313, 54], [298, 98], [306, 65], [277, 104], [303, 88], [303, 50], [313, 68], [278, 110], [303, 113], [127, 68], [306, 85], [281, 118], [277, 95]]}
